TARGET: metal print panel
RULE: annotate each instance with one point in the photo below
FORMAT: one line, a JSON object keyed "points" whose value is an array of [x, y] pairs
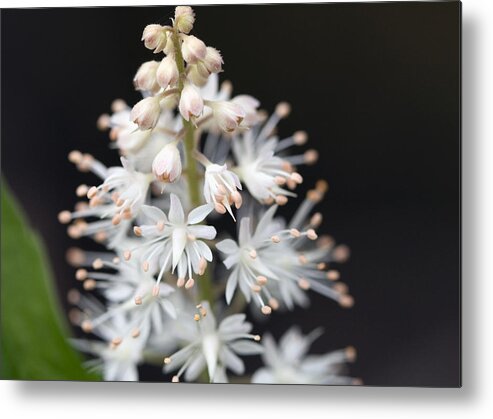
{"points": [[265, 194]]}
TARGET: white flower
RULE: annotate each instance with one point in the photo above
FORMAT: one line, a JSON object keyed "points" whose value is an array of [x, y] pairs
{"points": [[193, 49], [119, 354], [213, 347], [145, 78], [213, 60], [227, 114], [116, 202], [128, 290], [288, 362], [155, 37], [280, 264], [191, 104], [262, 171], [167, 72], [173, 241], [146, 112], [221, 187], [249, 105], [167, 163], [184, 18]]}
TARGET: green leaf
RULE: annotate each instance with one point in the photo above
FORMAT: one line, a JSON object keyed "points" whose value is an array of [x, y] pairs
{"points": [[33, 339]]}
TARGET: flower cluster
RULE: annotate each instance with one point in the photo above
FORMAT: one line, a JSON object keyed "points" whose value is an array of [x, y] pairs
{"points": [[191, 153]]}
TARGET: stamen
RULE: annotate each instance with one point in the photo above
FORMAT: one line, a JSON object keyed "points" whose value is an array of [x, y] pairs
{"points": [[333, 275], [80, 274], [219, 208], [310, 156], [138, 300], [127, 254], [294, 232], [97, 264], [196, 317], [261, 280], [64, 217], [175, 379], [350, 353], [346, 301], [73, 296], [274, 303], [86, 326], [138, 231], [281, 200], [155, 290], [92, 192], [135, 333], [257, 338], [190, 283], [283, 109], [275, 239], [304, 284], [89, 284], [253, 254], [103, 122], [118, 105], [310, 233], [266, 310], [300, 137], [180, 282]]}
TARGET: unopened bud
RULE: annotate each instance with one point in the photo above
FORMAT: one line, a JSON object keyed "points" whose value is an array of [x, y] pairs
{"points": [[213, 60], [191, 103], [167, 163], [193, 49], [145, 78], [167, 72], [184, 18], [155, 37], [146, 113]]}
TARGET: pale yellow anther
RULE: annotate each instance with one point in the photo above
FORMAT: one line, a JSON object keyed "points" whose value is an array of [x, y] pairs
{"points": [[80, 274], [64, 217], [180, 282], [316, 220], [321, 266], [283, 109], [160, 225], [145, 266], [135, 333], [294, 232], [279, 180], [310, 156], [92, 192], [256, 288], [175, 379], [81, 190], [253, 254], [296, 177], [300, 137], [310, 233], [266, 310], [117, 218], [127, 254], [274, 303], [138, 300], [261, 280], [86, 326], [257, 338], [138, 231], [155, 290], [89, 284], [346, 301], [333, 275], [275, 239], [167, 360], [196, 317], [219, 208], [103, 122], [97, 264], [304, 284], [116, 341], [75, 156], [190, 283], [281, 200], [118, 105]]}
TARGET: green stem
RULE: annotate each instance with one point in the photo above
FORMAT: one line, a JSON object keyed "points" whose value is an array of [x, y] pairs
{"points": [[205, 283]]}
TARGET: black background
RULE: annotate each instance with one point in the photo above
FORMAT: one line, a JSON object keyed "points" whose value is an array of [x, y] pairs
{"points": [[377, 87]]}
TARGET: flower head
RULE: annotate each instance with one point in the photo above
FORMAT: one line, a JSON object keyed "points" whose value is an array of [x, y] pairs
{"points": [[288, 362], [212, 347], [173, 241]]}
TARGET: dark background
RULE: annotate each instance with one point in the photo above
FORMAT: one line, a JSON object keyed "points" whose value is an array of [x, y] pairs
{"points": [[377, 87]]}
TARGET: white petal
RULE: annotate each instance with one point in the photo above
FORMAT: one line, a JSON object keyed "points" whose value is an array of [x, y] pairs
{"points": [[244, 233], [210, 346], [227, 246], [203, 232], [176, 215], [179, 240], [198, 214], [204, 250], [246, 347], [169, 308], [153, 214], [231, 286], [263, 376], [230, 324], [232, 361], [195, 368]]}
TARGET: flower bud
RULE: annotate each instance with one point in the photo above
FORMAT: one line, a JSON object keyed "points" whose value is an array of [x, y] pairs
{"points": [[167, 163], [191, 103], [249, 105], [145, 78], [193, 49], [213, 60], [228, 115], [146, 113], [198, 74], [155, 37], [184, 18], [167, 72]]}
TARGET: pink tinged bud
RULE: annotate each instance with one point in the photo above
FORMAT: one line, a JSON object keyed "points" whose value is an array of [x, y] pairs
{"points": [[228, 115], [213, 60], [184, 18], [198, 74], [191, 103], [145, 78], [146, 113], [155, 38], [167, 164], [193, 49], [167, 72]]}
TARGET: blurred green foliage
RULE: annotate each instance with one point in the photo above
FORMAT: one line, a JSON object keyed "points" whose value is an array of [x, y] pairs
{"points": [[33, 334]]}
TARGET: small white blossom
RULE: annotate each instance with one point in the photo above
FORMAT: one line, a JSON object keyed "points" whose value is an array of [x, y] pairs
{"points": [[213, 60], [173, 241], [145, 78], [212, 347], [167, 163], [167, 72], [184, 18], [155, 37], [288, 362], [191, 104], [146, 113], [193, 49], [227, 114]]}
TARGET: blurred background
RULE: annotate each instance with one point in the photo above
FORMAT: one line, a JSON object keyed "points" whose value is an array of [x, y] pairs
{"points": [[376, 86]]}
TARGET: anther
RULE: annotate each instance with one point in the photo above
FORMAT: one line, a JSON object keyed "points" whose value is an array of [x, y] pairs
{"points": [[180, 282], [281, 200], [316, 219], [279, 180], [283, 109], [294, 232], [81, 190], [296, 177], [304, 284], [253, 254], [138, 231], [175, 379], [75, 156], [266, 310], [310, 156], [73, 296], [97, 264], [91, 192], [80, 274], [103, 122], [333, 275], [89, 284], [257, 338], [310, 233], [117, 218], [135, 333], [196, 317], [300, 137], [261, 280], [160, 225], [64, 217], [138, 300], [256, 288], [275, 239], [303, 260], [346, 301], [350, 353], [155, 290], [116, 341], [145, 266], [127, 254], [190, 283], [220, 208], [274, 303], [86, 326], [167, 360], [118, 105]]}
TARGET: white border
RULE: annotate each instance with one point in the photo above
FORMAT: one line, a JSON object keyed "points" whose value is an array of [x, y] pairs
{"points": [[121, 400]]}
